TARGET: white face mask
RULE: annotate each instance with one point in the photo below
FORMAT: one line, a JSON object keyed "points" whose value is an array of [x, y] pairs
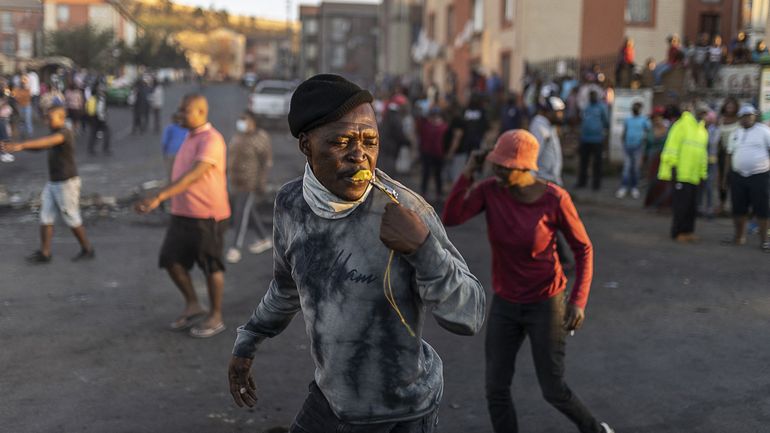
{"points": [[241, 125]]}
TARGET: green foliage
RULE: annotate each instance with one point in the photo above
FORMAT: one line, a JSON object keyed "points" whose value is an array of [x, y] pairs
{"points": [[97, 49], [156, 51], [87, 46]]}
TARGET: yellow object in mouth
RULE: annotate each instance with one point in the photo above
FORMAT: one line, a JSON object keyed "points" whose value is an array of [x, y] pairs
{"points": [[362, 175]]}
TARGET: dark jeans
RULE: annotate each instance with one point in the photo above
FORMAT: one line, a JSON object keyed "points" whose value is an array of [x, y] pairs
{"points": [[317, 417], [156, 120], [96, 126], [508, 325], [590, 153], [432, 166], [141, 118], [684, 204]]}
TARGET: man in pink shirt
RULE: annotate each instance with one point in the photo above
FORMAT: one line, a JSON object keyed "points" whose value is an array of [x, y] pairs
{"points": [[199, 213]]}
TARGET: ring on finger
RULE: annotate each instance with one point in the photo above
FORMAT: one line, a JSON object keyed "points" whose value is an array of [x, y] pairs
{"points": [[242, 390]]}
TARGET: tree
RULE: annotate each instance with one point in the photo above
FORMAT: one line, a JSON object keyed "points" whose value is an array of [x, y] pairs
{"points": [[168, 6], [157, 51], [86, 45], [223, 17]]}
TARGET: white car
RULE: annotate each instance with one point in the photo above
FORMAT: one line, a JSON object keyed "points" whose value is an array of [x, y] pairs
{"points": [[271, 99]]}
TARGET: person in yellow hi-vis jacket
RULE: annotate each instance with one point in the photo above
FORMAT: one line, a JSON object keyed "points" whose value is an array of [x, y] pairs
{"points": [[684, 161]]}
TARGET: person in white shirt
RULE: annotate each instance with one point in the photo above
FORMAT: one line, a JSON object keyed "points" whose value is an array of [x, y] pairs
{"points": [[549, 159], [33, 81], [157, 101], [749, 151]]}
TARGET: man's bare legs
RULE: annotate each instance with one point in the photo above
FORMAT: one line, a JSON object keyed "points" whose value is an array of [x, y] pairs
{"points": [[181, 278], [763, 224], [80, 235], [46, 234], [740, 229], [216, 285]]}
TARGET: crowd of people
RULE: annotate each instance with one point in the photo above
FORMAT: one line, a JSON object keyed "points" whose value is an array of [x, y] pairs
{"points": [[701, 58], [442, 135], [353, 143]]}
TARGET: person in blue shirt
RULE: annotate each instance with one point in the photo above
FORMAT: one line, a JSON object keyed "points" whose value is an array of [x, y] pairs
{"points": [[172, 139], [593, 131], [635, 129]]}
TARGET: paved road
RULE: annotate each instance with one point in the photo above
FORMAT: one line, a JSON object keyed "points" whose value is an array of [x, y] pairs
{"points": [[674, 340]]}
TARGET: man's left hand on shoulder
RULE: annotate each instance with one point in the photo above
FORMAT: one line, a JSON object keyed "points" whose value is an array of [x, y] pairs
{"points": [[402, 229]]}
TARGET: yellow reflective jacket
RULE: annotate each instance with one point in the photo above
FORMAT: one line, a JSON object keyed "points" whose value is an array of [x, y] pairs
{"points": [[686, 149]]}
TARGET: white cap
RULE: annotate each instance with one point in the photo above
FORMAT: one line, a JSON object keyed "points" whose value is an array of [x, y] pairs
{"points": [[556, 103], [747, 109]]}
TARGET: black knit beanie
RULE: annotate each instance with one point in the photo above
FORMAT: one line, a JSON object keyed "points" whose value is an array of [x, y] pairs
{"points": [[322, 99]]}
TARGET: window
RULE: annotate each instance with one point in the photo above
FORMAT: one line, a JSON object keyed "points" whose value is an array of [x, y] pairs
{"points": [[311, 51], [710, 24], [63, 13], [508, 10], [310, 26], [26, 44], [8, 46], [450, 24], [759, 14], [639, 12], [478, 16], [340, 29], [338, 56], [6, 22]]}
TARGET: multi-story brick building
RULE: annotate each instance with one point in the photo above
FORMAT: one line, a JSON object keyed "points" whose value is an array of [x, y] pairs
{"points": [[102, 14], [21, 28], [400, 26], [340, 38], [309, 58], [501, 36]]}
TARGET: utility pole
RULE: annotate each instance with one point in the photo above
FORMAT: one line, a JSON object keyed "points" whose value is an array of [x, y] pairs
{"points": [[288, 45]]}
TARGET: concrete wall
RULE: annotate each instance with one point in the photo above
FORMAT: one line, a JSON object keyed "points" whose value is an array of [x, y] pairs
{"points": [[550, 28], [651, 41], [498, 38], [435, 70]]}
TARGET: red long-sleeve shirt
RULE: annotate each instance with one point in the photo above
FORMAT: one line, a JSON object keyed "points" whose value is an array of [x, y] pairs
{"points": [[525, 266]]}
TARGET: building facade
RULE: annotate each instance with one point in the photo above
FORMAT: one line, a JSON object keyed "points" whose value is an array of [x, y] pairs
{"points": [[21, 28], [502, 36], [400, 26], [309, 59], [102, 14], [340, 38]]}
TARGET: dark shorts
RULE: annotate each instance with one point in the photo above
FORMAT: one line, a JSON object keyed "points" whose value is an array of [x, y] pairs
{"points": [[190, 240], [750, 192]]}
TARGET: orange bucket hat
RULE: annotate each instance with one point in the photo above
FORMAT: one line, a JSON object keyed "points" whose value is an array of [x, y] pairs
{"points": [[516, 149]]}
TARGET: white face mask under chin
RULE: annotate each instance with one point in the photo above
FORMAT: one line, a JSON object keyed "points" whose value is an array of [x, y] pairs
{"points": [[241, 126]]}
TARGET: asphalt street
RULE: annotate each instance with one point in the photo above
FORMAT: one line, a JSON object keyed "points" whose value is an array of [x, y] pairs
{"points": [[675, 337]]}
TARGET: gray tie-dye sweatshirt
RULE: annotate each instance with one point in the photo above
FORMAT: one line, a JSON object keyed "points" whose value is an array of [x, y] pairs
{"points": [[367, 365]]}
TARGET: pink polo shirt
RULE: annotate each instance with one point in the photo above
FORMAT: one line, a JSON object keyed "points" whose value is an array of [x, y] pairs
{"points": [[207, 197]]}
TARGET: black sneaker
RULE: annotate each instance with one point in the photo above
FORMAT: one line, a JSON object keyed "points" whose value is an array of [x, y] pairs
{"points": [[84, 255], [38, 258]]}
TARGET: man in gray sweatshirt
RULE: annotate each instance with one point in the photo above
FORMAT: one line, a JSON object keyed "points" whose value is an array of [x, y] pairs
{"points": [[333, 237]]}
